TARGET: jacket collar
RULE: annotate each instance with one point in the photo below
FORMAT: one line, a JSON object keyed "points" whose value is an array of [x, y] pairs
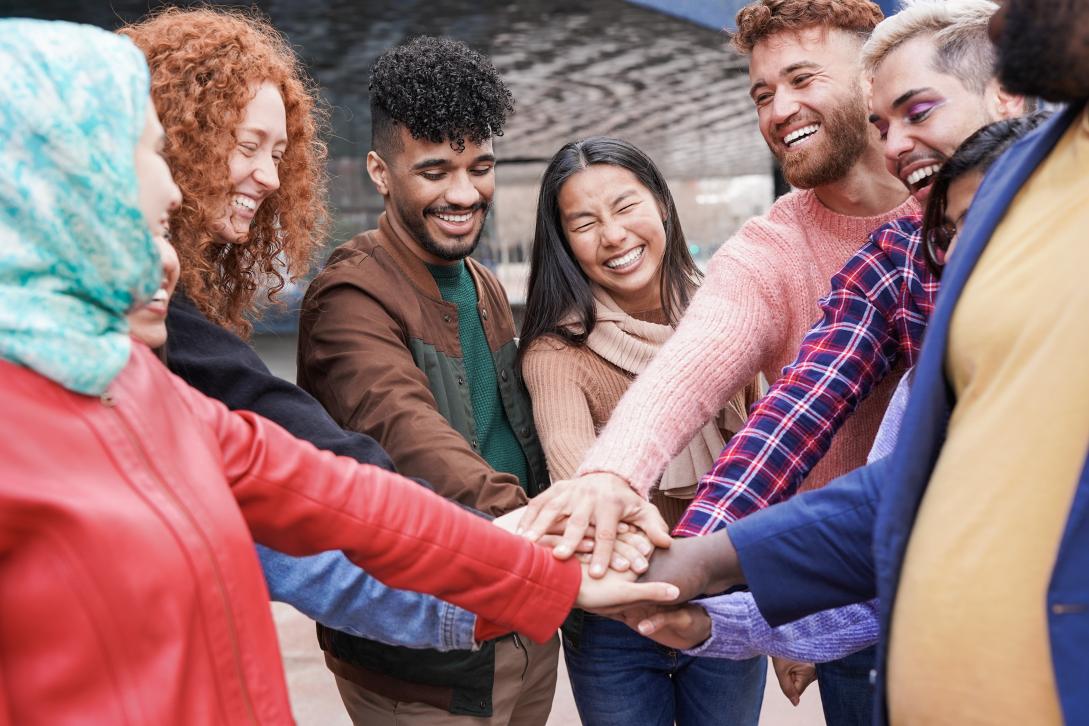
{"points": [[412, 266]]}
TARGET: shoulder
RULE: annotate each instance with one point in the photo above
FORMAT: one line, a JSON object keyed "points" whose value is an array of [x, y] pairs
{"points": [[345, 262], [903, 234], [551, 357]]}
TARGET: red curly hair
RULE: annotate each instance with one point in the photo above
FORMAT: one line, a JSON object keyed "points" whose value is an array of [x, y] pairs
{"points": [[204, 66], [764, 18]]}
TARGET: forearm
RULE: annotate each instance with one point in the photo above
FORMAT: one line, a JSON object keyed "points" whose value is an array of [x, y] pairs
{"points": [[739, 631], [720, 345], [330, 589]]}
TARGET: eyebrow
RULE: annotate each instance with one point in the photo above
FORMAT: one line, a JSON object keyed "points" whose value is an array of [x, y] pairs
{"points": [[261, 133], [619, 198], [785, 72], [428, 163], [905, 97]]}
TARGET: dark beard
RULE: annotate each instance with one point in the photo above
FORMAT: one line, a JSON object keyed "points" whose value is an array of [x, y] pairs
{"points": [[1043, 49], [416, 223], [846, 131]]}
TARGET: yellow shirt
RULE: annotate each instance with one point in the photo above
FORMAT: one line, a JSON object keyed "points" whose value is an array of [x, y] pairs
{"points": [[969, 640]]}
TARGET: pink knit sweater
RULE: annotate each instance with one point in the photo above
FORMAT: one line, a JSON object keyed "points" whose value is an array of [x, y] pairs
{"points": [[750, 315]]}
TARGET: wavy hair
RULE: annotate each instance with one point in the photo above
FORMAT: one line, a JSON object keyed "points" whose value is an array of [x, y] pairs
{"points": [[759, 20], [204, 64], [558, 287]]}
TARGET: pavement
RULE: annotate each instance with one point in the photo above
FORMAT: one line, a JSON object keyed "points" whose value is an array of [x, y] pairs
{"points": [[314, 697]]}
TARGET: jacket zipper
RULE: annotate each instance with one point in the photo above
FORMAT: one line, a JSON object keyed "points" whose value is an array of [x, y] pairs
{"points": [[110, 402]]}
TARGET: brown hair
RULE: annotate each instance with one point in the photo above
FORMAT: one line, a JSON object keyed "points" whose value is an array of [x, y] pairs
{"points": [[204, 63], [759, 20]]}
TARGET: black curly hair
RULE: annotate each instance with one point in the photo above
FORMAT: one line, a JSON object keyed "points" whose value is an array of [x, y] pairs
{"points": [[440, 90]]}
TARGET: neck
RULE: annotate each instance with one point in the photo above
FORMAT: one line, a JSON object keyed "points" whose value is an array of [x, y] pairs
{"points": [[868, 189]]}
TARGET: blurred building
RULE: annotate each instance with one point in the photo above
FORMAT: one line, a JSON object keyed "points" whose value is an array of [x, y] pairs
{"points": [[659, 74]]}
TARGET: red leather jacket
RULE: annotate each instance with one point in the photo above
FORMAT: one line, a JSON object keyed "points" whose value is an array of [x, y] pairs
{"points": [[130, 591]]}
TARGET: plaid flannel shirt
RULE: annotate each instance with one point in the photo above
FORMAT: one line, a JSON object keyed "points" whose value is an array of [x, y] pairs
{"points": [[876, 312]]}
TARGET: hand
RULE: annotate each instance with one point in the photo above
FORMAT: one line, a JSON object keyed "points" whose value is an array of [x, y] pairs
{"points": [[794, 677], [697, 565], [616, 589], [600, 499], [681, 627], [632, 549]]}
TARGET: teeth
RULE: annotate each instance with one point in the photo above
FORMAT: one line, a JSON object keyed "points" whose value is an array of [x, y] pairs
{"points": [[245, 202], [160, 296], [801, 133], [625, 260], [455, 218], [919, 174]]}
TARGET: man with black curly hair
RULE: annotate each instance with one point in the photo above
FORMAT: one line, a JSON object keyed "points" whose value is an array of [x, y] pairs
{"points": [[406, 339]]}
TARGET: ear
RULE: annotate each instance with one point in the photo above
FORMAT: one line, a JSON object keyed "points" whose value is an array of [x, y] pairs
{"points": [[1001, 103], [378, 171]]}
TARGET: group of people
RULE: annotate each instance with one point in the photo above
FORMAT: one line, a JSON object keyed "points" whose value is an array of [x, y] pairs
{"points": [[160, 484]]}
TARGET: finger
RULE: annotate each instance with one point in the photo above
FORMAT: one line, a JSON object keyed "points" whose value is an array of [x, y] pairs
{"points": [[636, 539], [626, 551], [552, 511], [575, 530], [619, 563], [533, 509], [645, 592], [649, 519], [606, 518], [551, 540]]}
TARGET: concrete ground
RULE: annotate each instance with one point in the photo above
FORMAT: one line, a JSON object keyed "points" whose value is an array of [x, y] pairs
{"points": [[314, 697], [315, 701]]}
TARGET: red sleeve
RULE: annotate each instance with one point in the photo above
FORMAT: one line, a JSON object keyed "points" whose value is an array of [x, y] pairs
{"points": [[299, 500]]}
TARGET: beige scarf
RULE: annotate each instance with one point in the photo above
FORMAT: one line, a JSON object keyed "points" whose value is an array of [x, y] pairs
{"points": [[630, 344]]}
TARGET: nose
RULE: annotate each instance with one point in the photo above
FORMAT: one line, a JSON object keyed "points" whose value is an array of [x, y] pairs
{"points": [[784, 106], [897, 144], [171, 267], [265, 173], [461, 192], [613, 233]]}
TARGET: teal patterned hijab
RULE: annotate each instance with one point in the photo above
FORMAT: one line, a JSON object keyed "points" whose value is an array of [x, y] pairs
{"points": [[75, 251]]}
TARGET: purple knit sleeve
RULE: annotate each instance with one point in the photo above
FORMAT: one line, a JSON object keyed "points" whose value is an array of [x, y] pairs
{"points": [[738, 631]]}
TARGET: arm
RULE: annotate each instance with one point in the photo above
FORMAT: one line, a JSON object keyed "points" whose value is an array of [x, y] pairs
{"points": [[738, 631], [355, 360], [330, 589], [560, 410], [327, 588], [842, 358]]}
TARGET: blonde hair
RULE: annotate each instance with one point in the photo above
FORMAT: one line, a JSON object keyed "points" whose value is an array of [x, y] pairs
{"points": [[959, 29]]}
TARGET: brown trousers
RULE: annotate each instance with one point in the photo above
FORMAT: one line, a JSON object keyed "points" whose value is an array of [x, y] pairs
{"points": [[525, 684]]}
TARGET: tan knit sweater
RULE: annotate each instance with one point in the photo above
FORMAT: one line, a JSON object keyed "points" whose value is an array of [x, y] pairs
{"points": [[574, 392]]}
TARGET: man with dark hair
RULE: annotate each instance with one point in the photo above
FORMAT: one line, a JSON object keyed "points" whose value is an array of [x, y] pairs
{"points": [[405, 338]]}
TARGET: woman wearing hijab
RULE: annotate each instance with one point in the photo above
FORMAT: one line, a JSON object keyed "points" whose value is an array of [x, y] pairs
{"points": [[131, 590]]}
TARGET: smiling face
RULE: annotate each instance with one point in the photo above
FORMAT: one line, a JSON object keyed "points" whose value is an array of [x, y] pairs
{"points": [[260, 142], [436, 197], [148, 323], [808, 98], [614, 227], [923, 115]]}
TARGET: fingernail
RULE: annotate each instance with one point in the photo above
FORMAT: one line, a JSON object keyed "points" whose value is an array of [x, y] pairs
{"points": [[645, 627], [563, 551], [641, 564], [597, 570], [519, 531], [673, 591]]}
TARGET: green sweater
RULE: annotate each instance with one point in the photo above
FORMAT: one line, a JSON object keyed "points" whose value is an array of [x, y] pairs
{"points": [[498, 445]]}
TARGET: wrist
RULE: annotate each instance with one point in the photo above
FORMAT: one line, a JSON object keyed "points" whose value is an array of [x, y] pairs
{"points": [[720, 563]]}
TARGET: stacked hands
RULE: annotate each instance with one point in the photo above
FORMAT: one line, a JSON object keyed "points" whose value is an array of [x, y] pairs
{"points": [[633, 571]]}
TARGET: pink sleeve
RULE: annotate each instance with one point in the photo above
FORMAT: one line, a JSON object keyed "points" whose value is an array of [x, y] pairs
{"points": [[300, 500], [734, 324]]}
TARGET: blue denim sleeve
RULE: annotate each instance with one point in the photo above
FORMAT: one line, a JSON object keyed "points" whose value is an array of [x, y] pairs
{"points": [[330, 589], [738, 631], [813, 552]]}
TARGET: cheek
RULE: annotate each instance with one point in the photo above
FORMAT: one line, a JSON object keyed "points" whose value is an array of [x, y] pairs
{"points": [[238, 167], [584, 250]]}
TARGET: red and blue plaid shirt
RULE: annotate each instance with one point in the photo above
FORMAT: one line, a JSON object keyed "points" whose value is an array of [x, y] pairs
{"points": [[873, 317]]}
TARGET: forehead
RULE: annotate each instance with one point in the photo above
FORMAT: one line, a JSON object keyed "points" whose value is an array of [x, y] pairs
{"points": [[265, 110], [910, 67], [598, 182], [817, 44], [413, 150]]}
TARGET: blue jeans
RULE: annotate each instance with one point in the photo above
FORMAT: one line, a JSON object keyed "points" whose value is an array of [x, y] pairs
{"points": [[846, 693], [620, 678]]}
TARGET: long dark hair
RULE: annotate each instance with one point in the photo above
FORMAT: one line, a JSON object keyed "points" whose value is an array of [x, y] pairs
{"points": [[558, 288], [976, 153]]}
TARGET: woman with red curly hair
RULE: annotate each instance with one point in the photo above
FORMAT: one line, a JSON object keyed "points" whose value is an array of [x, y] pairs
{"points": [[242, 126]]}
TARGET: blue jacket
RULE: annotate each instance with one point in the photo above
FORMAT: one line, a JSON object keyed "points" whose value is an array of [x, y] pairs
{"points": [[326, 587], [845, 543]]}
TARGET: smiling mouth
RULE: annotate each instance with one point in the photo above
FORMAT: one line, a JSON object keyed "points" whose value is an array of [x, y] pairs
{"points": [[922, 177], [627, 259], [455, 218], [800, 135]]}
